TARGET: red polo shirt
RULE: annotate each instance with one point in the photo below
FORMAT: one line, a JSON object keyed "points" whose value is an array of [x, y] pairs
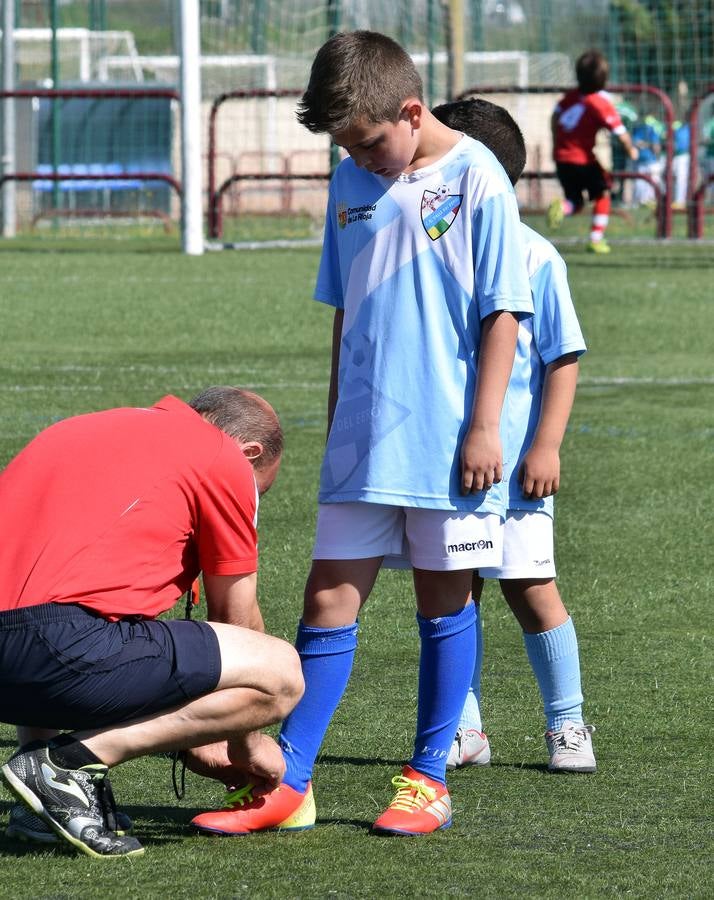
{"points": [[118, 511]]}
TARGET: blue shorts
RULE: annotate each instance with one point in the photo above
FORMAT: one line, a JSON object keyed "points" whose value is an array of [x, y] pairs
{"points": [[64, 667]]}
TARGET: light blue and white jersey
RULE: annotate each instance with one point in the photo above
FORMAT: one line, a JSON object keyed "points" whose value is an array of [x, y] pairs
{"points": [[416, 263], [553, 331]]}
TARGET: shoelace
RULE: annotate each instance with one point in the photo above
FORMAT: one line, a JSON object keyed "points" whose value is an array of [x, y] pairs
{"points": [[574, 738], [411, 795], [241, 796], [107, 803]]}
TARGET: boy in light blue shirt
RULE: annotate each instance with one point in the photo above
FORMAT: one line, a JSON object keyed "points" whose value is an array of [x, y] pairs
{"points": [[538, 403], [424, 265]]}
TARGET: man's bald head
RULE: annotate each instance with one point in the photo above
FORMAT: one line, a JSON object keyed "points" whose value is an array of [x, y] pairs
{"points": [[249, 419]]}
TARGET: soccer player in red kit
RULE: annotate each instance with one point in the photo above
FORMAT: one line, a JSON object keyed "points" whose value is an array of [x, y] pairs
{"points": [[575, 122]]}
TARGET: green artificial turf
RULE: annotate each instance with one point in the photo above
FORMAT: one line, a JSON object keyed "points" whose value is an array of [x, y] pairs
{"points": [[88, 326]]}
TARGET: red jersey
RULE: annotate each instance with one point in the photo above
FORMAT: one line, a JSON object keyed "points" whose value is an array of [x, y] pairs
{"points": [[119, 511], [579, 118]]}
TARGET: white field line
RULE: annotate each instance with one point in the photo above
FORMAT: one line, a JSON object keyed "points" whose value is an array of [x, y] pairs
{"points": [[625, 381], [584, 381], [96, 388]]}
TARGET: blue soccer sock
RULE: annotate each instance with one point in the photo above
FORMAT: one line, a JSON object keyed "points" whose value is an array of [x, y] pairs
{"points": [[471, 713], [446, 664], [326, 655], [556, 664]]}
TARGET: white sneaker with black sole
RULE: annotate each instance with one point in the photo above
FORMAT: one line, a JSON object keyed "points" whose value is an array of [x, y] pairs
{"points": [[571, 748], [470, 748], [70, 801]]}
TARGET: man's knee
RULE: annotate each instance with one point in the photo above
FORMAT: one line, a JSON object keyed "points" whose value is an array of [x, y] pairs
{"points": [[290, 684], [250, 659]]}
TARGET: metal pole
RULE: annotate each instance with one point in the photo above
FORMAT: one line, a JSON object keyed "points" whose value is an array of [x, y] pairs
{"points": [[546, 26], [258, 27], [56, 103], [191, 129], [333, 26], [406, 24], [455, 49], [430, 30], [9, 166], [477, 39]]}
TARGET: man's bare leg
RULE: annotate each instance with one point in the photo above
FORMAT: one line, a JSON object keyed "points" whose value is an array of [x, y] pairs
{"points": [[259, 685]]}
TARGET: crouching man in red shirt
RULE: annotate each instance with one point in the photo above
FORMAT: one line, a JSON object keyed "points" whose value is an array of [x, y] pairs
{"points": [[107, 520]]}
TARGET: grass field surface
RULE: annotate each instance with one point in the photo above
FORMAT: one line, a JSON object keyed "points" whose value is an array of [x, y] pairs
{"points": [[89, 326]]}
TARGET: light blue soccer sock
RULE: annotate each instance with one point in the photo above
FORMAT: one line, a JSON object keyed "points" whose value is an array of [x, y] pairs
{"points": [[446, 664], [471, 713], [326, 655], [556, 664]]}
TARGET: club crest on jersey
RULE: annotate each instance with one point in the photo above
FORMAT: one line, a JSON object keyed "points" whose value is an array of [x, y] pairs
{"points": [[438, 211]]}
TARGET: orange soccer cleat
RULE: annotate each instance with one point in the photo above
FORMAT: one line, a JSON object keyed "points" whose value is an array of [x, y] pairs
{"points": [[283, 809], [420, 806]]}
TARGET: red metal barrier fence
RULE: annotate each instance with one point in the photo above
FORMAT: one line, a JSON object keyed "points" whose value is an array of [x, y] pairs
{"points": [[696, 191], [215, 194], [104, 175]]}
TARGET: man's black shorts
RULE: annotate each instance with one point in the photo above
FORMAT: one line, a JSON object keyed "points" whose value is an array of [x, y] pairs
{"points": [[576, 179], [64, 667]]}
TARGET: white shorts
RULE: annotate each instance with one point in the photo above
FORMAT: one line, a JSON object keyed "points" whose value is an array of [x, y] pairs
{"points": [[437, 540], [527, 547]]}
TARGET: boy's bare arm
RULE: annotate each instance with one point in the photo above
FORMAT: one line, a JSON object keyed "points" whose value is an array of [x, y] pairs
{"points": [[630, 148], [334, 366], [553, 130], [481, 455], [539, 472]]}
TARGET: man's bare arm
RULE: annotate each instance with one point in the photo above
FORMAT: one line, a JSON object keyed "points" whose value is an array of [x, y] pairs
{"points": [[233, 599]]}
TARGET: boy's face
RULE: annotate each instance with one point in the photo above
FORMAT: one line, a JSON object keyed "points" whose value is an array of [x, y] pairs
{"points": [[384, 148]]}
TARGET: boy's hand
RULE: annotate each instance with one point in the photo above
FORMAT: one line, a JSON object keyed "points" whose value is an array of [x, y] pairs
{"points": [[539, 473], [481, 460]]}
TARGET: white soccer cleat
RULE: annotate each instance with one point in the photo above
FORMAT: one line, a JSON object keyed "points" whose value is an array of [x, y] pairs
{"points": [[470, 748], [571, 748]]}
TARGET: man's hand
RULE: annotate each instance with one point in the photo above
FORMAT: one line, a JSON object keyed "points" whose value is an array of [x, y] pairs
{"points": [[539, 473], [255, 758], [212, 761], [481, 460], [260, 759]]}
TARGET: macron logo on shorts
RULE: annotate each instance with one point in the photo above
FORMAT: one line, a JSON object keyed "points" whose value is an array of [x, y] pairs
{"points": [[467, 546]]}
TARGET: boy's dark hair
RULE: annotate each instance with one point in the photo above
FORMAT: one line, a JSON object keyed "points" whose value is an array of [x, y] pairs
{"points": [[493, 125], [358, 75], [244, 416], [592, 70]]}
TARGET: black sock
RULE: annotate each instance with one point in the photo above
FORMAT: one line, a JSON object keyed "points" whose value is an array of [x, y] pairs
{"points": [[69, 753]]}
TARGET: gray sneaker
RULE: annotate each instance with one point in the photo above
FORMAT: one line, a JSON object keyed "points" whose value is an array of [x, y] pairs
{"points": [[24, 825], [571, 748], [470, 748], [70, 801]]}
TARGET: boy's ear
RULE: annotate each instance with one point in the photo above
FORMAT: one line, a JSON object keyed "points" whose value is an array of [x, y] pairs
{"points": [[412, 112]]}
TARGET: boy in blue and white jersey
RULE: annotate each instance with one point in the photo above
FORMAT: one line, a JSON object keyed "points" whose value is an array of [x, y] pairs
{"points": [[538, 403], [424, 264]]}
